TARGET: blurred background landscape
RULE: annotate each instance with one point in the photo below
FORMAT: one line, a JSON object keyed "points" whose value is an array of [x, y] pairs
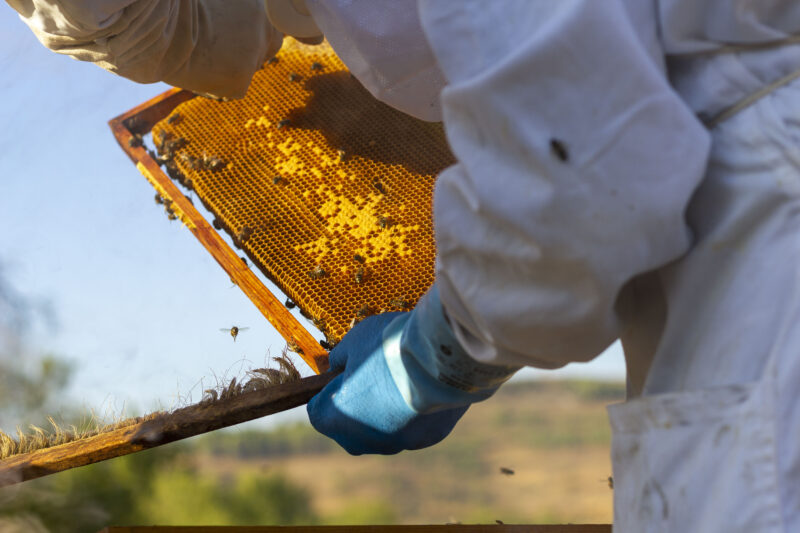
{"points": [[536, 452]]}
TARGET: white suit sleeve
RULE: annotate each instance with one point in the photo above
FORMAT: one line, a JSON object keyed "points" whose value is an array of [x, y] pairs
{"points": [[209, 46], [576, 162]]}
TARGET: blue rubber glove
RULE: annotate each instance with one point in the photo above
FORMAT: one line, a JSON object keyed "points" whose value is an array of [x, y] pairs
{"points": [[405, 382]]}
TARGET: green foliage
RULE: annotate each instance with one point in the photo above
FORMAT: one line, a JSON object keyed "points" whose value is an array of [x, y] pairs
{"points": [[182, 497], [365, 513], [283, 441]]}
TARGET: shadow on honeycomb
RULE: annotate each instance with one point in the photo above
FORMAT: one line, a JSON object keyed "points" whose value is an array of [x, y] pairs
{"points": [[327, 190]]}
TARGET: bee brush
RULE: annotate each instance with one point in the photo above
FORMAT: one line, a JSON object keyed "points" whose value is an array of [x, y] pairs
{"points": [[162, 428]]}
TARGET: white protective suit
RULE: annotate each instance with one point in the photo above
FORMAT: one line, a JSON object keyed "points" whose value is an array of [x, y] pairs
{"points": [[589, 203]]}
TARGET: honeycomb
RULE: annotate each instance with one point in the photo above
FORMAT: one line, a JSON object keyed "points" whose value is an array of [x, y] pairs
{"points": [[327, 190]]}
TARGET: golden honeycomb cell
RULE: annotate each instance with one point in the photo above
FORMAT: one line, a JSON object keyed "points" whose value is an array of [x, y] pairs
{"points": [[308, 171]]}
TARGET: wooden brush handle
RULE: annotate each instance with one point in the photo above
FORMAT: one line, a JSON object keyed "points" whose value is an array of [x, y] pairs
{"points": [[169, 427]]}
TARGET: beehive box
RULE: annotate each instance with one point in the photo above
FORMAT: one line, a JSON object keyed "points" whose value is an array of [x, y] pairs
{"points": [[326, 190]]}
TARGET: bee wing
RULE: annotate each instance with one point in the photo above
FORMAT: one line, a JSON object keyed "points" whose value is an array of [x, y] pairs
{"points": [[243, 329], [226, 330]]}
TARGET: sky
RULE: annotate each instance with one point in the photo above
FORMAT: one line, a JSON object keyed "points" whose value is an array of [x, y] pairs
{"points": [[138, 302]]}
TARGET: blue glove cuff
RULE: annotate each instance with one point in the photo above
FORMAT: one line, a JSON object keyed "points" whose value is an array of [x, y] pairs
{"points": [[430, 368]]}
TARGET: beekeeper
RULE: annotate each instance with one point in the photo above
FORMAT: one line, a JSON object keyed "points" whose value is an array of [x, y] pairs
{"points": [[626, 169]]}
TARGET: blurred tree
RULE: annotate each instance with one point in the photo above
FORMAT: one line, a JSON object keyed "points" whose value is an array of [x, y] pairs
{"points": [[154, 486]]}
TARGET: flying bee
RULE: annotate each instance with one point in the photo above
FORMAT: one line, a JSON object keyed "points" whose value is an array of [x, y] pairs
{"points": [[317, 273], [359, 276], [158, 199], [272, 60], [559, 149], [234, 331], [506, 471], [610, 482], [293, 76], [283, 123], [292, 346], [289, 304], [379, 186], [316, 66], [385, 222], [358, 258], [174, 118], [245, 234]]}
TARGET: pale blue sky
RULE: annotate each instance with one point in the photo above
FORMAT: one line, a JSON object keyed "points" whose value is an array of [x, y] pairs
{"points": [[139, 301]]}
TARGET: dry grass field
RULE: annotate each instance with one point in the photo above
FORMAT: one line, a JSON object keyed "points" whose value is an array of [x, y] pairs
{"points": [[553, 435]]}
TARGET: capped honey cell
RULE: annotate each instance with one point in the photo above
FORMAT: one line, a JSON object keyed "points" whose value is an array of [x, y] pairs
{"points": [[327, 190]]}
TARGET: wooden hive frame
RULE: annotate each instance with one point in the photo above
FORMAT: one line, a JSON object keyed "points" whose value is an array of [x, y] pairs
{"points": [[139, 121]]}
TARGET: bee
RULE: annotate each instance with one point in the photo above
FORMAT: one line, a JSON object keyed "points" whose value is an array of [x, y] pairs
{"points": [[357, 258], [445, 349], [135, 141], [244, 260], [379, 186], [304, 314], [293, 76], [158, 199], [363, 311], [292, 346], [385, 222], [610, 482], [175, 119], [499, 522], [398, 303], [234, 331], [342, 155], [289, 304], [317, 273], [353, 322], [506, 471], [283, 123], [326, 345], [245, 234], [559, 149], [272, 60], [316, 66], [191, 162], [171, 215], [277, 180], [213, 163], [359, 276], [217, 223]]}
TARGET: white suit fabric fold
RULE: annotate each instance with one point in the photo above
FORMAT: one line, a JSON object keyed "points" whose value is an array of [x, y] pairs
{"points": [[533, 244], [201, 45]]}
